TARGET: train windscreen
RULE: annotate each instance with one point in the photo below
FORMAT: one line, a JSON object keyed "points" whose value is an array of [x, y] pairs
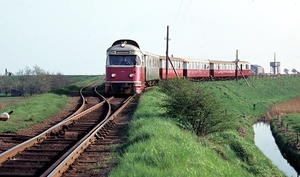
{"points": [[123, 60]]}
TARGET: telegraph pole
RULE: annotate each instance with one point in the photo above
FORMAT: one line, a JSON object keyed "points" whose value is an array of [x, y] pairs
{"points": [[236, 64], [167, 51], [275, 63]]}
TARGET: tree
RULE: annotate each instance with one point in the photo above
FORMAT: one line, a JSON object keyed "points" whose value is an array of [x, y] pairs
{"points": [[6, 84], [32, 81], [58, 81]]}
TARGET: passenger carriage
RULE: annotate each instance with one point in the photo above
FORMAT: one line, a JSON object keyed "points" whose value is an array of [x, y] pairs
{"points": [[196, 69], [227, 69], [152, 63], [222, 69], [244, 69], [175, 72]]}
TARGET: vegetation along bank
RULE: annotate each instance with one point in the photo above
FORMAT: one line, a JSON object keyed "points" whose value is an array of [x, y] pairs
{"points": [[171, 136]]}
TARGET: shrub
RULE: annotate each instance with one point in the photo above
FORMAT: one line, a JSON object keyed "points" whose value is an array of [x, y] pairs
{"points": [[193, 107]]}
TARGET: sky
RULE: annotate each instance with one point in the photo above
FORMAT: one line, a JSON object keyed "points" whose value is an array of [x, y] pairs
{"points": [[71, 36]]}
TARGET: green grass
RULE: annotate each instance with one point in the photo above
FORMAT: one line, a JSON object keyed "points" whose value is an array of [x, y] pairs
{"points": [[8, 100], [240, 99], [32, 110], [37, 108], [158, 147]]}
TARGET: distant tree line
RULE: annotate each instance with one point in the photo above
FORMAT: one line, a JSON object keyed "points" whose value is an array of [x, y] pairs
{"points": [[32, 81]]}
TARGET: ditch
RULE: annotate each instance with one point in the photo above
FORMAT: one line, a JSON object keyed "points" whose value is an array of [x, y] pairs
{"points": [[265, 141]]}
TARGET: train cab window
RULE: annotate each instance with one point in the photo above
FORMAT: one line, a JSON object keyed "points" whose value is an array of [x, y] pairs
{"points": [[123, 60]]}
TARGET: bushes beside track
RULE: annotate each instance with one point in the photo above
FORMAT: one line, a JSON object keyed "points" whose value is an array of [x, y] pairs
{"points": [[194, 108]]}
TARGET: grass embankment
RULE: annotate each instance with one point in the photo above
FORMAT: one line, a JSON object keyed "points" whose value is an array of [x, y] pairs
{"points": [[158, 147], [37, 108], [286, 130], [73, 89]]}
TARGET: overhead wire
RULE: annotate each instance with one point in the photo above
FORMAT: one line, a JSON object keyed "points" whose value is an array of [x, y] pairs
{"points": [[178, 12], [182, 15]]}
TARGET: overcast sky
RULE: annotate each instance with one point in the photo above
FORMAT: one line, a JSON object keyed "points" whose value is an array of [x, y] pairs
{"points": [[72, 36]]}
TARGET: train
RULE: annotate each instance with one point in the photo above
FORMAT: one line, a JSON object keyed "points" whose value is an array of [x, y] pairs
{"points": [[130, 70]]}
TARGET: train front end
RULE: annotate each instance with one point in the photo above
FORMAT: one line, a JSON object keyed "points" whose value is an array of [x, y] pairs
{"points": [[125, 73]]}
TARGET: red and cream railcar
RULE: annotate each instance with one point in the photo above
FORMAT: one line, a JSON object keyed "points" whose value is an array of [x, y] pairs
{"points": [[173, 72], [244, 69], [222, 69], [196, 69], [128, 69], [125, 71], [227, 69]]}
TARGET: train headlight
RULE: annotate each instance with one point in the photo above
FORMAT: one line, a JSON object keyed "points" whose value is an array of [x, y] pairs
{"points": [[113, 75], [131, 75]]}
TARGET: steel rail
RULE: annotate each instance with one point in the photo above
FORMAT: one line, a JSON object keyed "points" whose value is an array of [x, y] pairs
{"points": [[39, 138], [86, 141]]}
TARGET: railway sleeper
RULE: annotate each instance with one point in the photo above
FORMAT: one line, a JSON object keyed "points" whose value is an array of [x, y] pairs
{"points": [[38, 154], [13, 174], [23, 167], [34, 160]]}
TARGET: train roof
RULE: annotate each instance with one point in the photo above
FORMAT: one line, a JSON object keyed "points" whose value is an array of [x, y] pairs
{"points": [[195, 60], [220, 61], [126, 41], [244, 62], [172, 58], [226, 62], [123, 46]]}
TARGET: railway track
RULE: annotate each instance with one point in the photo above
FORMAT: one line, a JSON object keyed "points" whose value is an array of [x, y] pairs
{"points": [[43, 154]]}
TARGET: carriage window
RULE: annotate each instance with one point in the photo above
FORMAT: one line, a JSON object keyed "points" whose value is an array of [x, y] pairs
{"points": [[123, 60]]}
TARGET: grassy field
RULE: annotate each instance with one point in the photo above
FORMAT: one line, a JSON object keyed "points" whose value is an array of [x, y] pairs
{"points": [[37, 108], [158, 147]]}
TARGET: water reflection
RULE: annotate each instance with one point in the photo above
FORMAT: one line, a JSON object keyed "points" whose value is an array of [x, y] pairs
{"points": [[265, 141]]}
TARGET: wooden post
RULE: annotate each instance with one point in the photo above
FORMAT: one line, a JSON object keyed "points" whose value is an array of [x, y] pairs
{"points": [[236, 64], [167, 53]]}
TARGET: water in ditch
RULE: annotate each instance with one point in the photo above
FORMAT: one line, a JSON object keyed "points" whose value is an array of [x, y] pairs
{"points": [[265, 141]]}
